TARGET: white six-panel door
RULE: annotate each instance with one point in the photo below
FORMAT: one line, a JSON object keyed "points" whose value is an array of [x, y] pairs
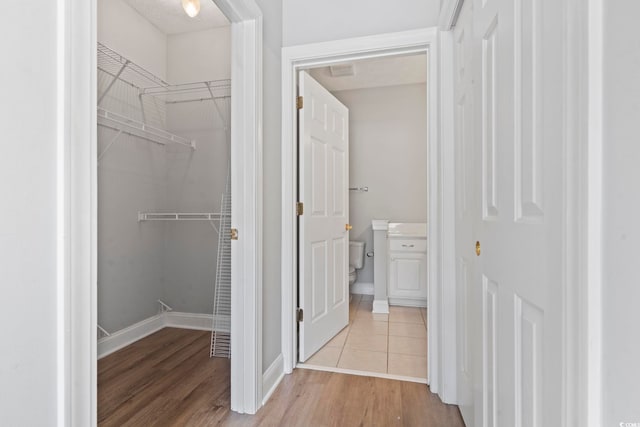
{"points": [[469, 297], [323, 238], [510, 297]]}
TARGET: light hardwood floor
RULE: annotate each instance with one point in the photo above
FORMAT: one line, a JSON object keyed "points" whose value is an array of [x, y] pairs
{"points": [[168, 379]]}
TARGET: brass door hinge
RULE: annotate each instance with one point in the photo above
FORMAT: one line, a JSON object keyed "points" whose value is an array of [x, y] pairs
{"points": [[299, 315], [299, 208], [234, 234], [299, 102]]}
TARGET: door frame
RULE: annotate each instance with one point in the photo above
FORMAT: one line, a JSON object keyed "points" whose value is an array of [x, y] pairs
{"points": [[441, 337], [76, 213]]}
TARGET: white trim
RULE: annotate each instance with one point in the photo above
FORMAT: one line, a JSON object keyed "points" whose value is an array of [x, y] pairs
{"points": [[305, 56], [408, 302], [447, 248], [150, 325], [362, 288], [62, 251], [194, 321], [449, 12], [594, 176], [272, 377], [361, 373], [581, 403], [77, 354], [129, 335], [381, 307], [76, 201], [246, 216]]}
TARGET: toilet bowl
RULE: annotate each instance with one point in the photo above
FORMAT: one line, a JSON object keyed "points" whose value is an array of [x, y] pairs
{"points": [[356, 259]]}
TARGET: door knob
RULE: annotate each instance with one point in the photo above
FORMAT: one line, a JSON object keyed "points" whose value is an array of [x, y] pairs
{"points": [[348, 227], [478, 249]]}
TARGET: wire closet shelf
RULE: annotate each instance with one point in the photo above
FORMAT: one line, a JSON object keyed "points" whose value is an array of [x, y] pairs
{"points": [[119, 68]]}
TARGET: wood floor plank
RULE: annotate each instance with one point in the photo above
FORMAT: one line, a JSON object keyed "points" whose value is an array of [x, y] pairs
{"points": [[168, 379]]}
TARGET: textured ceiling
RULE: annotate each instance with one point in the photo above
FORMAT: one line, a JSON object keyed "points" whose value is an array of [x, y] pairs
{"points": [[170, 18], [377, 72]]}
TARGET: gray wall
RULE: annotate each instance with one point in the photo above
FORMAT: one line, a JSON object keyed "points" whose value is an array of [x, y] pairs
{"points": [[141, 262], [271, 311], [621, 214], [310, 21], [131, 178], [195, 179], [387, 153], [28, 231]]}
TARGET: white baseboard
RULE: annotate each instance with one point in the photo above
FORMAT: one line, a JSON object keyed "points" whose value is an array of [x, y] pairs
{"points": [[380, 306], [201, 322], [409, 302], [146, 327], [362, 288], [129, 335], [272, 377]]}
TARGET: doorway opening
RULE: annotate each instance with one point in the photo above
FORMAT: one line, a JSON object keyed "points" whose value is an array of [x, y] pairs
{"points": [[370, 140], [298, 58], [164, 212], [78, 197]]}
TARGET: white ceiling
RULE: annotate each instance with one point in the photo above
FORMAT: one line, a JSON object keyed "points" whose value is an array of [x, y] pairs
{"points": [[170, 18], [376, 72]]}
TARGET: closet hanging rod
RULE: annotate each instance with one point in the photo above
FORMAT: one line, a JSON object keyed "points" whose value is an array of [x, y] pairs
{"points": [[180, 216], [133, 127]]}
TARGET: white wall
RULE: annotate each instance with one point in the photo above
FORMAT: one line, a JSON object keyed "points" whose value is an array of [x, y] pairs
{"points": [[28, 231], [387, 153], [309, 21], [621, 214]]}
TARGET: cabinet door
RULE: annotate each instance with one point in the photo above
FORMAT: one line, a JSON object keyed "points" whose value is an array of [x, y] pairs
{"points": [[407, 275]]}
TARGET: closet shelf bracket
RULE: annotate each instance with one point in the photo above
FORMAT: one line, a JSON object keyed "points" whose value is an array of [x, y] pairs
{"points": [[164, 307], [102, 332]]}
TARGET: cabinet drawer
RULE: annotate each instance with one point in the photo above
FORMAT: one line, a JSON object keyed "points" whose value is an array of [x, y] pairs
{"points": [[407, 245]]}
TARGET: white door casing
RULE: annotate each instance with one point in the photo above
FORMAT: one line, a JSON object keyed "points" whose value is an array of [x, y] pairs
{"points": [[441, 360], [517, 279], [77, 195], [324, 239], [467, 188]]}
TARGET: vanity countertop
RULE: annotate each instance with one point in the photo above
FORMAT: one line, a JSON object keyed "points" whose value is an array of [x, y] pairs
{"points": [[414, 230]]}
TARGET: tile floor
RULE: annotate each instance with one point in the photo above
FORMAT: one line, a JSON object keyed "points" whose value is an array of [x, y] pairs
{"points": [[394, 343]]}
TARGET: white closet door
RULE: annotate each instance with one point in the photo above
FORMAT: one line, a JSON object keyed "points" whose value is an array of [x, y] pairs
{"points": [[519, 220]]}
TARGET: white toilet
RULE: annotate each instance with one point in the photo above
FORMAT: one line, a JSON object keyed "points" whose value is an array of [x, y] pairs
{"points": [[356, 259]]}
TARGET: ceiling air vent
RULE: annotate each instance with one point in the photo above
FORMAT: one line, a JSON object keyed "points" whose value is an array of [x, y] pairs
{"points": [[344, 70]]}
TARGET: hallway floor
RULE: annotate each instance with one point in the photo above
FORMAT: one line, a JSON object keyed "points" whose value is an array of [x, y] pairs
{"points": [[393, 344], [168, 379]]}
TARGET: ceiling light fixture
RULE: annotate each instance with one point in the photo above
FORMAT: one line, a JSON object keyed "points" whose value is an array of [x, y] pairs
{"points": [[191, 7]]}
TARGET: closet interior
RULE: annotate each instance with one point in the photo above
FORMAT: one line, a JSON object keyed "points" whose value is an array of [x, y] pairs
{"points": [[164, 204]]}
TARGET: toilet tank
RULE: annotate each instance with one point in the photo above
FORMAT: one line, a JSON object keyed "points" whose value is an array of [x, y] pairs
{"points": [[356, 254]]}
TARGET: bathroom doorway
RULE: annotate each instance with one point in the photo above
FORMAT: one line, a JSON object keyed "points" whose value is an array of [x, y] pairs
{"points": [[385, 142]]}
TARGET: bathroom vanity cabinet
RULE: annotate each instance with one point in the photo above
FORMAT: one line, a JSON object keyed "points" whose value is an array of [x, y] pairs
{"points": [[407, 271], [400, 264]]}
